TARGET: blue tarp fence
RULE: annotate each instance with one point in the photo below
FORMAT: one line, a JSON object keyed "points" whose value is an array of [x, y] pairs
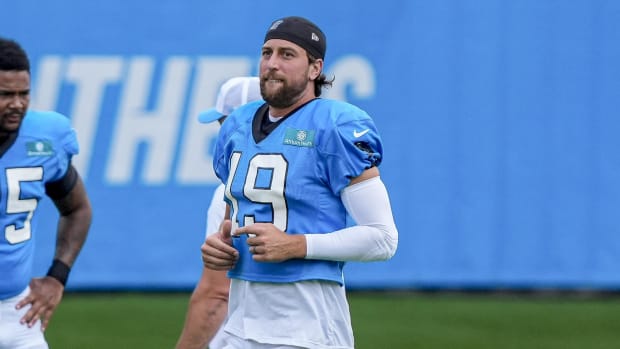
{"points": [[500, 120]]}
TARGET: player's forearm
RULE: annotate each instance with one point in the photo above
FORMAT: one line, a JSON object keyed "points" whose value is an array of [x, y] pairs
{"points": [[72, 232], [203, 320], [359, 243], [73, 224], [195, 331]]}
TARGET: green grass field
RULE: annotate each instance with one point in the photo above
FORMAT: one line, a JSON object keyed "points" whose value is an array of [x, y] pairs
{"points": [[380, 320]]}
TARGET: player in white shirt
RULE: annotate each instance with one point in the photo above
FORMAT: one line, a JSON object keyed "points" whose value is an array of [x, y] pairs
{"points": [[209, 301]]}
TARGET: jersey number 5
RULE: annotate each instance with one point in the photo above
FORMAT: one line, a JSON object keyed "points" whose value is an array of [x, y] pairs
{"points": [[14, 178]]}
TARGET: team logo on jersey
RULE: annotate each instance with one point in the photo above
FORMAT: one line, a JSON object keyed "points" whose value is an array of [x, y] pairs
{"points": [[300, 138], [39, 148]]}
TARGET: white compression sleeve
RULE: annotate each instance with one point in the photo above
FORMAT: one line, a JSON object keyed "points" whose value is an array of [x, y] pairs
{"points": [[374, 238]]}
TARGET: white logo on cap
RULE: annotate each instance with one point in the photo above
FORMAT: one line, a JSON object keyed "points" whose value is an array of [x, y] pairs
{"points": [[315, 37], [276, 24]]}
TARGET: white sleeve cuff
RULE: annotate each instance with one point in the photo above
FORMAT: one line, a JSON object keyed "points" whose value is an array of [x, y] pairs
{"points": [[375, 236], [215, 212]]}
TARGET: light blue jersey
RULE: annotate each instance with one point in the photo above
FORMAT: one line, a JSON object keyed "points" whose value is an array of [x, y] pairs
{"points": [[40, 154], [293, 178]]}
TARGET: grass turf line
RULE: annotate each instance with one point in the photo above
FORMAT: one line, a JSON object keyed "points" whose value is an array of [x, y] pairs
{"points": [[380, 320]]}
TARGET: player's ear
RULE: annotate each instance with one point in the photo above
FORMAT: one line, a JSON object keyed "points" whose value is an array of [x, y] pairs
{"points": [[316, 67]]}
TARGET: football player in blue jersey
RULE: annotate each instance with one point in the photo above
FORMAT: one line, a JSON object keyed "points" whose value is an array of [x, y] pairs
{"points": [[294, 166], [35, 161]]}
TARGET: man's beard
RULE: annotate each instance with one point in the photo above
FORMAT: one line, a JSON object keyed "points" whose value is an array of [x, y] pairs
{"points": [[285, 96], [7, 127]]}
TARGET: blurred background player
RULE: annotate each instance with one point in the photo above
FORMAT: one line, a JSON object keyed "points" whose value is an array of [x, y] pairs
{"points": [[35, 160], [209, 302], [294, 167]]}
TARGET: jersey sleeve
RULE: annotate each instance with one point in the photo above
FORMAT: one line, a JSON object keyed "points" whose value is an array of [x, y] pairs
{"points": [[55, 137], [351, 147], [67, 145], [216, 210]]}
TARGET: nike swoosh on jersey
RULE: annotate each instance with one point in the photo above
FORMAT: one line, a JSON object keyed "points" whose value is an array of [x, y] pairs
{"points": [[359, 134]]}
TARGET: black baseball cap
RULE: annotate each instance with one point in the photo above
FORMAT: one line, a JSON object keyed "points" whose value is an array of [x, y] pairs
{"points": [[300, 31]]}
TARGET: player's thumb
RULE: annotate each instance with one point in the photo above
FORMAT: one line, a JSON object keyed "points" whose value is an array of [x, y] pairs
{"points": [[225, 229]]}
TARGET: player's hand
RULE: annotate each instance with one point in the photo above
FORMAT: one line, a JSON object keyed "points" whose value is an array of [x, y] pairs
{"points": [[267, 243], [45, 295], [217, 250]]}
